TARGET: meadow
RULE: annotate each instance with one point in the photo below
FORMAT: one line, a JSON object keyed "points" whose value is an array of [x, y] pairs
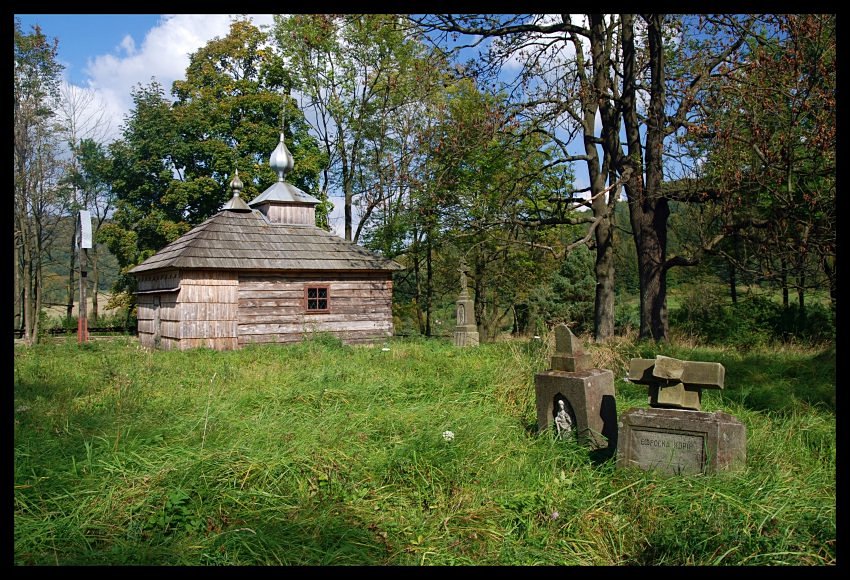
{"points": [[321, 454]]}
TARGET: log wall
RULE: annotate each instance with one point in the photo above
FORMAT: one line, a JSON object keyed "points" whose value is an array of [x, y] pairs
{"points": [[271, 307], [167, 310], [208, 309]]}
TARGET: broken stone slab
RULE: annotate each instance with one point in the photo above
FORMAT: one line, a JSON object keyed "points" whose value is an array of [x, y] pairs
{"points": [[569, 353], [676, 383]]}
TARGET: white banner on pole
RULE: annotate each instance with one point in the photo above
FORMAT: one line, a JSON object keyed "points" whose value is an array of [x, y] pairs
{"points": [[85, 229]]}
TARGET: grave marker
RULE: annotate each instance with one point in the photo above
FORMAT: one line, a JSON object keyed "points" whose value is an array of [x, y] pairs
{"points": [[587, 394], [674, 436]]}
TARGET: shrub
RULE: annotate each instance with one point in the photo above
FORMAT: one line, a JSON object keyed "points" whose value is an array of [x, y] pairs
{"points": [[751, 322]]}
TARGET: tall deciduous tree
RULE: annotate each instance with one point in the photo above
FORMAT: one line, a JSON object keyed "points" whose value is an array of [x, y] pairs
{"points": [[626, 82], [564, 85], [82, 116], [172, 168], [354, 73], [36, 167], [767, 128]]}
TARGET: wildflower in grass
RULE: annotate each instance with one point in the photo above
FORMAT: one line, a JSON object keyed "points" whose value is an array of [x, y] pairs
{"points": [[448, 436], [555, 515]]}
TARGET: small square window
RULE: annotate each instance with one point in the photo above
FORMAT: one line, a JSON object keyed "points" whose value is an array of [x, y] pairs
{"points": [[317, 298]]}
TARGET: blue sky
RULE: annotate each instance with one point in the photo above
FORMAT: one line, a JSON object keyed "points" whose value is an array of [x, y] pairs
{"points": [[107, 55], [85, 36]]}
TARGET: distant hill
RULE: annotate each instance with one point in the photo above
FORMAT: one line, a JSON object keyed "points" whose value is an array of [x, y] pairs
{"points": [[56, 269]]}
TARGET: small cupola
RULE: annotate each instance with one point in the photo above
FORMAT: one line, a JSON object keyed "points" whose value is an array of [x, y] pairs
{"points": [[236, 203], [283, 203]]}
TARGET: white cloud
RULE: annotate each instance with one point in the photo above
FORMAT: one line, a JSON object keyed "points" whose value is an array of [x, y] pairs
{"points": [[163, 55], [128, 44]]}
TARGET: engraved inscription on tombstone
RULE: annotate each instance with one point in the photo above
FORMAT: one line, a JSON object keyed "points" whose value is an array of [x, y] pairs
{"points": [[679, 453]]}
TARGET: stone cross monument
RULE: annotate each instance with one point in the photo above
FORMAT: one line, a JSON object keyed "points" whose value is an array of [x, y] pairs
{"points": [[466, 331], [676, 383], [674, 436]]}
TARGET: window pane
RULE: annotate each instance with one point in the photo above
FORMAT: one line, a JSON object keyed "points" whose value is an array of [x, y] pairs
{"points": [[323, 292], [311, 292], [312, 304], [323, 304]]}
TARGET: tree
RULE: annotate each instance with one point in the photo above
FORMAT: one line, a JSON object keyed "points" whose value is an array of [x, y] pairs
{"points": [[627, 68], [82, 116], [767, 130], [479, 186], [355, 73], [565, 82], [36, 167], [172, 168], [91, 178]]}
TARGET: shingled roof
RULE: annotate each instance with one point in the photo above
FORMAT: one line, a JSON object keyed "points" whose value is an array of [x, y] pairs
{"points": [[248, 241]]}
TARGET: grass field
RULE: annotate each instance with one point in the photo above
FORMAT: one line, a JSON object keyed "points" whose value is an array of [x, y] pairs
{"points": [[323, 454]]}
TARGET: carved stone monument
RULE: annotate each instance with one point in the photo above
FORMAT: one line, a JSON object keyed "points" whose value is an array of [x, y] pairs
{"points": [[674, 436], [466, 331], [586, 394]]}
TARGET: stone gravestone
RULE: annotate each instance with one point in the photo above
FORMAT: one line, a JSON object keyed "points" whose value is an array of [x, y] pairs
{"points": [[674, 436], [586, 394], [466, 331]]}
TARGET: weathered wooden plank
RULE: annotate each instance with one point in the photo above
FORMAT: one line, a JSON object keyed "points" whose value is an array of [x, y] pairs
{"points": [[227, 343], [206, 329], [167, 279], [192, 293], [348, 337], [209, 278], [169, 329], [209, 311], [291, 285], [251, 317], [318, 326]]}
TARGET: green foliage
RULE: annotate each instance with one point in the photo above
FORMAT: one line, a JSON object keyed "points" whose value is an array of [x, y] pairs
{"points": [[172, 169], [322, 454], [753, 321], [570, 296]]}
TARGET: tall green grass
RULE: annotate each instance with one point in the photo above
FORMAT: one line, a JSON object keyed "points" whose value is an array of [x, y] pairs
{"points": [[325, 454]]}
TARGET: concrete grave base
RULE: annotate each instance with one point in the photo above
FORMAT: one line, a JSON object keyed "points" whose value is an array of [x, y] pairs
{"points": [[679, 441], [466, 335], [590, 397]]}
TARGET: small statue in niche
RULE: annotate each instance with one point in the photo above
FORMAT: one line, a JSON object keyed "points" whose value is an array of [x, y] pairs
{"points": [[563, 421]]}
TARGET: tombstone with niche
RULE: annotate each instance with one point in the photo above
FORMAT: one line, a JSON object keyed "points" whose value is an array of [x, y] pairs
{"points": [[466, 331], [674, 435], [585, 395]]}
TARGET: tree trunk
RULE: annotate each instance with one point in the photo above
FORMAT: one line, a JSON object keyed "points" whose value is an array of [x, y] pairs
{"points": [[18, 289], [29, 308], [69, 308], [94, 282], [783, 280], [603, 210], [733, 274], [603, 308], [420, 316], [828, 266], [349, 197], [733, 291], [429, 285], [648, 209]]}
